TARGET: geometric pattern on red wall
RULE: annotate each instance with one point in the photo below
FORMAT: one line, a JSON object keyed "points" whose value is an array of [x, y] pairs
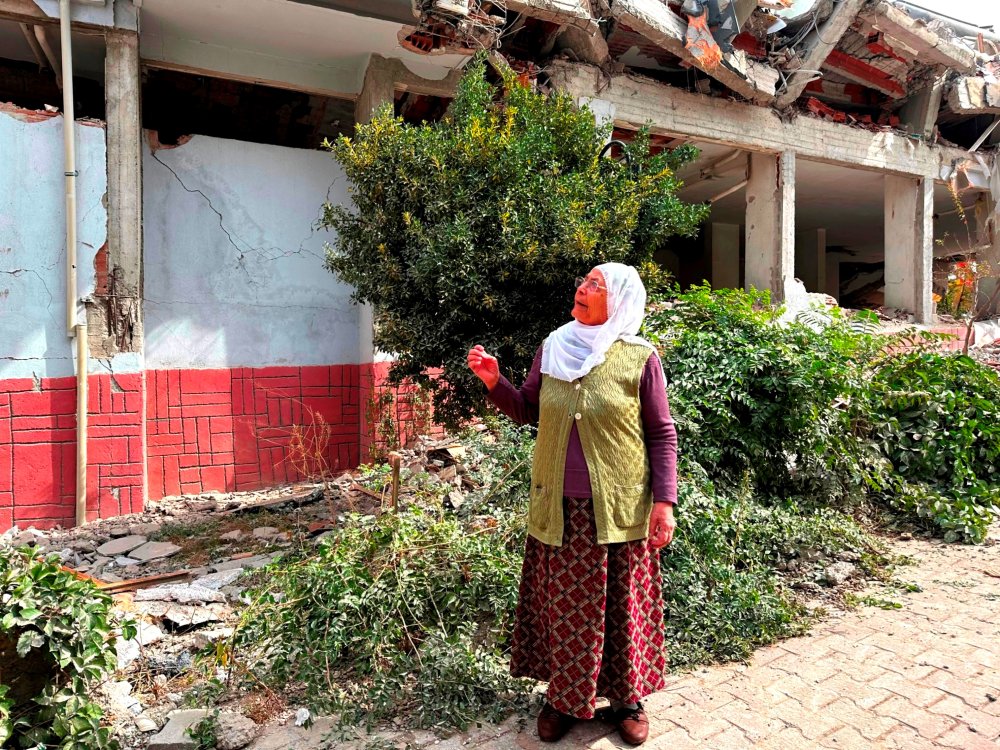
{"points": [[229, 429], [38, 449]]}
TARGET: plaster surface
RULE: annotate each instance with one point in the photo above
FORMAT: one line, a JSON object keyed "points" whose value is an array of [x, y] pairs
{"points": [[233, 269], [304, 46], [33, 337]]}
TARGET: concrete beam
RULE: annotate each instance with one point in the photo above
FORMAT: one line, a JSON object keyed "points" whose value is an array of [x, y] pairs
{"points": [[818, 46], [770, 223], [23, 11], [573, 12], [930, 47], [406, 80], [909, 245], [664, 28], [640, 101], [971, 95]]}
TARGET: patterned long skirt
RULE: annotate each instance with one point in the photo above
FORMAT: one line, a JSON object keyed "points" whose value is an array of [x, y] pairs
{"points": [[589, 618]]}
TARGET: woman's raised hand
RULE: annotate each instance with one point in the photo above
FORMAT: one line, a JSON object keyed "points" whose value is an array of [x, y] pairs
{"points": [[485, 366]]}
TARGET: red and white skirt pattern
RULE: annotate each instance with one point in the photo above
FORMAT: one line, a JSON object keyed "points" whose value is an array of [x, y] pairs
{"points": [[589, 617]]}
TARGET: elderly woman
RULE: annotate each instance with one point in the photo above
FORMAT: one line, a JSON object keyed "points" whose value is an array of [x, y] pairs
{"points": [[589, 619]]}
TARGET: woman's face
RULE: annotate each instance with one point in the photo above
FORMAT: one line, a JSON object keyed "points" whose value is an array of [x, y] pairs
{"points": [[590, 305]]}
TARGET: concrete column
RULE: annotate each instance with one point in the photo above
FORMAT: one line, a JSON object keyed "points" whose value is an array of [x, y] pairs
{"points": [[725, 243], [820, 260], [909, 244], [988, 237], [379, 87], [119, 319], [833, 276], [770, 223]]}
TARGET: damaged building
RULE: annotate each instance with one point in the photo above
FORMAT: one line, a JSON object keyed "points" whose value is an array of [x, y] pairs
{"points": [[847, 144]]}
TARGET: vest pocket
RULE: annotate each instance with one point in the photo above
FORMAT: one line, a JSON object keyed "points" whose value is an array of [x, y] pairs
{"points": [[540, 507], [629, 505]]}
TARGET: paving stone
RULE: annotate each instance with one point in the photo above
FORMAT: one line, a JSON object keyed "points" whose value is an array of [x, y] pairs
{"points": [[121, 546], [265, 532], [174, 735], [232, 536], [154, 551]]}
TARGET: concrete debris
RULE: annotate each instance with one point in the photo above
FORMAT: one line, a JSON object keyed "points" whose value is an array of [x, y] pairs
{"points": [[837, 574], [204, 638], [174, 735], [183, 593], [232, 536], [120, 697], [254, 561], [154, 550], [217, 581], [121, 545], [266, 532], [144, 724], [235, 731]]}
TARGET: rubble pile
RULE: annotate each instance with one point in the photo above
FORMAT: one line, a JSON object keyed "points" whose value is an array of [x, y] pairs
{"points": [[179, 568]]}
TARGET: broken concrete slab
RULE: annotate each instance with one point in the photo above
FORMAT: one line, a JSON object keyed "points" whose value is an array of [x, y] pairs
{"points": [[174, 734], [128, 651], [217, 581], [266, 532], [232, 536], [256, 561], [183, 593], [971, 95], [178, 616], [928, 45], [154, 551], [121, 546], [664, 28]]}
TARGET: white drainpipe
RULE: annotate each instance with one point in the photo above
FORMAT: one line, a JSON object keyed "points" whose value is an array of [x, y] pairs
{"points": [[76, 325]]}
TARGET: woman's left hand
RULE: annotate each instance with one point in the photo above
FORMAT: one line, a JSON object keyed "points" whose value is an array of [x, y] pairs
{"points": [[661, 525]]}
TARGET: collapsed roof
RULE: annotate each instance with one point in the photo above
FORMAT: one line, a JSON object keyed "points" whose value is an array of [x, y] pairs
{"points": [[872, 63]]}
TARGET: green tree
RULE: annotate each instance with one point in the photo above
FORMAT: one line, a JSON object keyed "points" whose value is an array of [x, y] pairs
{"points": [[471, 230]]}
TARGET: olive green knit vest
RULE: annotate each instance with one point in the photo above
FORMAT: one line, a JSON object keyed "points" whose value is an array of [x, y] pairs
{"points": [[604, 405]]}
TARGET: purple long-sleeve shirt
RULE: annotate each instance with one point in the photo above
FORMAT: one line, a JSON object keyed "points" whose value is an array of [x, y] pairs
{"points": [[658, 428]]}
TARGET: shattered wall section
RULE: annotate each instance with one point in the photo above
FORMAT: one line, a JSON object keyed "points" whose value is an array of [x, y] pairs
{"points": [[37, 384]]}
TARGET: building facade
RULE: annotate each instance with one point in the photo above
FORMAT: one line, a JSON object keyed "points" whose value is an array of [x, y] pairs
{"points": [[192, 335]]}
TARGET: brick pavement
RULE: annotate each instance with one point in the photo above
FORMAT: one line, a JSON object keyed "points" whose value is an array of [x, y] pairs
{"points": [[923, 676]]}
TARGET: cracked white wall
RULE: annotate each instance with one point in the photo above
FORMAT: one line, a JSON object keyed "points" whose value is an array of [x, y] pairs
{"points": [[33, 340], [233, 261]]}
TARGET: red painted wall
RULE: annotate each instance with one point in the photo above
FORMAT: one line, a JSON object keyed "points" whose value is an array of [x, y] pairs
{"points": [[38, 449], [230, 429]]}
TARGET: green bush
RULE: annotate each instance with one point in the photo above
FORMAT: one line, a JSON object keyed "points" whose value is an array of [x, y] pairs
{"points": [[936, 417], [772, 402], [471, 230], [61, 628], [722, 594], [410, 611]]}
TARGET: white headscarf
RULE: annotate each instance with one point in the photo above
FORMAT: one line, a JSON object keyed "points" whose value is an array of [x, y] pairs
{"points": [[573, 350]]}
